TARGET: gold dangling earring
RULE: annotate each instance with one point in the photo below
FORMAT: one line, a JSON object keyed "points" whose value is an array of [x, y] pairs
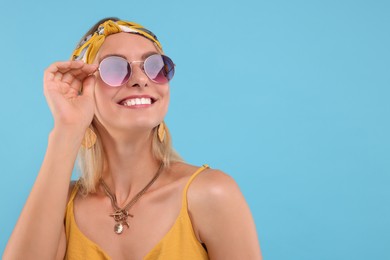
{"points": [[89, 138], [161, 132]]}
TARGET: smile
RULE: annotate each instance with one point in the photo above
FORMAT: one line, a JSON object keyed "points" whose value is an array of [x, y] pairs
{"points": [[136, 101]]}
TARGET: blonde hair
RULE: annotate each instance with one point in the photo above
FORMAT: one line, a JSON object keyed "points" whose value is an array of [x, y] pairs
{"points": [[91, 161]]}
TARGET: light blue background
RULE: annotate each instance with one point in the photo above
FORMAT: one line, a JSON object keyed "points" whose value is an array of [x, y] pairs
{"points": [[291, 98]]}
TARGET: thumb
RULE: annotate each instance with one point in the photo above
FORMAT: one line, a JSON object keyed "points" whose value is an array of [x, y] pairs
{"points": [[89, 86]]}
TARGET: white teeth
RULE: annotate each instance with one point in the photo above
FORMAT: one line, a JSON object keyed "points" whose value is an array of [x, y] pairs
{"points": [[137, 101]]}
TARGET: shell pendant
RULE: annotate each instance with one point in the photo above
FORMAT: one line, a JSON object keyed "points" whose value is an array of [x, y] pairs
{"points": [[118, 228]]}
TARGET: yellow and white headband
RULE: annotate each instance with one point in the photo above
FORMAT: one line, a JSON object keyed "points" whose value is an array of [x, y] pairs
{"points": [[87, 49]]}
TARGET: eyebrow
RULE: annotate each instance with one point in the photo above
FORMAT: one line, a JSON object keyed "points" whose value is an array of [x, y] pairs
{"points": [[143, 57]]}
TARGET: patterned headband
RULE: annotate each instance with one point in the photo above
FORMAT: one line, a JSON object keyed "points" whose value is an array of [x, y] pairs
{"points": [[87, 49]]}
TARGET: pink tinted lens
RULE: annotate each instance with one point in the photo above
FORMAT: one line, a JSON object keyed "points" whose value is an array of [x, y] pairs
{"points": [[159, 68], [114, 71]]}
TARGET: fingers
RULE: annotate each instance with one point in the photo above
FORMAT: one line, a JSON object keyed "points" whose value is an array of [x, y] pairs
{"points": [[70, 70], [67, 77]]}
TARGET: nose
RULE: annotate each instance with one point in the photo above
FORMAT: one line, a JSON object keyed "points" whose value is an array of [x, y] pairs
{"points": [[138, 77]]}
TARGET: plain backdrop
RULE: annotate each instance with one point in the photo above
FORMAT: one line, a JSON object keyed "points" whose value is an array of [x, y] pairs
{"points": [[290, 98]]}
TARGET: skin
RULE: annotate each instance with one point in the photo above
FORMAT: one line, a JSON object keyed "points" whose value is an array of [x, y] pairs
{"points": [[220, 216]]}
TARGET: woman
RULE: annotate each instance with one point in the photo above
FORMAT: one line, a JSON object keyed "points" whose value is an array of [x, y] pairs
{"points": [[136, 198]]}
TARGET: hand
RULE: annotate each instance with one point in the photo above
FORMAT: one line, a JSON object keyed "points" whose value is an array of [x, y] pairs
{"points": [[63, 82]]}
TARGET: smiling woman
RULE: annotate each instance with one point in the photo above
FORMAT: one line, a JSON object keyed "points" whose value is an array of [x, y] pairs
{"points": [[109, 104]]}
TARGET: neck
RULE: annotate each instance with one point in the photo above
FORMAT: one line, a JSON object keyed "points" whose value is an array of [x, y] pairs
{"points": [[129, 164]]}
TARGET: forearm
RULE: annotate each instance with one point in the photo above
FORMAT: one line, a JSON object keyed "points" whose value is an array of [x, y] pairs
{"points": [[37, 232]]}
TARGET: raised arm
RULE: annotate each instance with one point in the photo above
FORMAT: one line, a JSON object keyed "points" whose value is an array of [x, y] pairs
{"points": [[40, 227], [222, 219]]}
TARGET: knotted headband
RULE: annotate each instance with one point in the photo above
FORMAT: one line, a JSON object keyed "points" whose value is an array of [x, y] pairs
{"points": [[87, 49]]}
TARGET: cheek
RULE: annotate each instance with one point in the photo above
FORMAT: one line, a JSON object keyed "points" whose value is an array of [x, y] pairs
{"points": [[103, 97], [164, 92]]}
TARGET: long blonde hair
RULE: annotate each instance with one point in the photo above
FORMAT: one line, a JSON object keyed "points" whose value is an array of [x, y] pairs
{"points": [[91, 161]]}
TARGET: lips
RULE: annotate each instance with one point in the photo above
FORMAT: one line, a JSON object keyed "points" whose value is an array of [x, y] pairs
{"points": [[136, 101]]}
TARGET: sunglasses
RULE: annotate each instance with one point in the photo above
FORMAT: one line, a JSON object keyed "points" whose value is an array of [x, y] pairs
{"points": [[116, 71]]}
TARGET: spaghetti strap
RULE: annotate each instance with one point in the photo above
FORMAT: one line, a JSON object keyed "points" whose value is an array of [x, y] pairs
{"points": [[184, 200]]}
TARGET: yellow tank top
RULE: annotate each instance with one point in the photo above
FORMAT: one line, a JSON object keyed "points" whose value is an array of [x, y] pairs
{"points": [[179, 243]]}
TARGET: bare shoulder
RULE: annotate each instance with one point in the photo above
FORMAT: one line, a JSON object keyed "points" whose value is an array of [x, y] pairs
{"points": [[213, 187], [208, 184], [221, 217]]}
